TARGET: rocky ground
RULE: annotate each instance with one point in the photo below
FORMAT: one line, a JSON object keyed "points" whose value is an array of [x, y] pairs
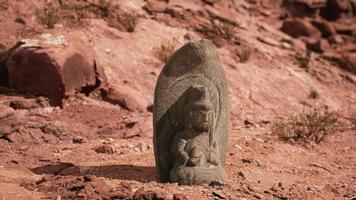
{"points": [[76, 93]]}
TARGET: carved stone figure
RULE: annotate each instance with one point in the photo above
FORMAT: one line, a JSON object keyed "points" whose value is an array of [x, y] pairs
{"points": [[190, 117]]}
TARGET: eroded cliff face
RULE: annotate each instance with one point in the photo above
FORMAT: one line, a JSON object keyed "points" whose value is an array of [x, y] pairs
{"points": [[101, 59]]}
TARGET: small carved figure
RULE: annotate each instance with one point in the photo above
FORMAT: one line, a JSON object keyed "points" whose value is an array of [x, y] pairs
{"points": [[194, 148]]}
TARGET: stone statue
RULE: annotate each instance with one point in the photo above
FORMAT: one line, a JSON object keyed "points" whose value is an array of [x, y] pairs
{"points": [[190, 117]]}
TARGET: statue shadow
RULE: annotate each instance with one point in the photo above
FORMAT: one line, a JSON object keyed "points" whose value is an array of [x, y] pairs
{"points": [[142, 174]]}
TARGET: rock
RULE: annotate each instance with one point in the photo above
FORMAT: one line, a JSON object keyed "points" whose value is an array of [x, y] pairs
{"points": [[188, 91], [179, 196], [150, 195], [337, 58], [300, 27], [336, 39], [78, 140], [241, 174], [302, 8], [211, 2], [318, 46], [57, 128], [4, 56], [219, 195], [353, 4], [6, 112], [104, 149], [269, 41], [126, 97], [350, 59], [345, 28], [51, 67], [324, 27], [335, 9], [20, 20], [4, 5], [150, 108], [24, 104], [155, 7]]}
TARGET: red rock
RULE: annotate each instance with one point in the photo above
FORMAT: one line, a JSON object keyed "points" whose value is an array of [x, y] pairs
{"points": [[302, 8], [24, 104], [150, 195], [300, 27], [179, 196], [336, 39], [155, 6], [211, 1], [335, 9], [319, 46], [104, 149], [344, 28], [126, 97], [346, 61], [350, 59], [78, 140], [52, 69], [324, 27]]}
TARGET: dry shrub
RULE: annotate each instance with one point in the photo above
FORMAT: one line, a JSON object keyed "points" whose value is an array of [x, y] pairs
{"points": [[128, 21], [308, 126], [219, 30], [303, 60], [102, 8], [48, 15], [164, 51]]}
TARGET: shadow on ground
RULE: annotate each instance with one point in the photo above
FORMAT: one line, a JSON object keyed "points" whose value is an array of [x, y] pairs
{"points": [[123, 172]]}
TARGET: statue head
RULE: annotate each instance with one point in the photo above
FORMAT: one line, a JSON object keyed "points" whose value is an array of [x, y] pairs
{"points": [[198, 112]]}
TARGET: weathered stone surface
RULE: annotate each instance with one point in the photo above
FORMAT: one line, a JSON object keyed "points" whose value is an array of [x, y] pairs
{"points": [[52, 68], [300, 27], [190, 116]]}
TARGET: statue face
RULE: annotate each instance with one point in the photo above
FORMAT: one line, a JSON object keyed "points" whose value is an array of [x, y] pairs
{"points": [[200, 119]]}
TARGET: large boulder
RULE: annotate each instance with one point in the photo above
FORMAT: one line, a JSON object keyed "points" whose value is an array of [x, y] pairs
{"points": [[52, 66], [300, 27]]}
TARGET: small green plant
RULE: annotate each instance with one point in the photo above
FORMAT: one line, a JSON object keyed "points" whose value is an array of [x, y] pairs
{"points": [[48, 15], [164, 51], [219, 30], [304, 60], [313, 94], [308, 126]]}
